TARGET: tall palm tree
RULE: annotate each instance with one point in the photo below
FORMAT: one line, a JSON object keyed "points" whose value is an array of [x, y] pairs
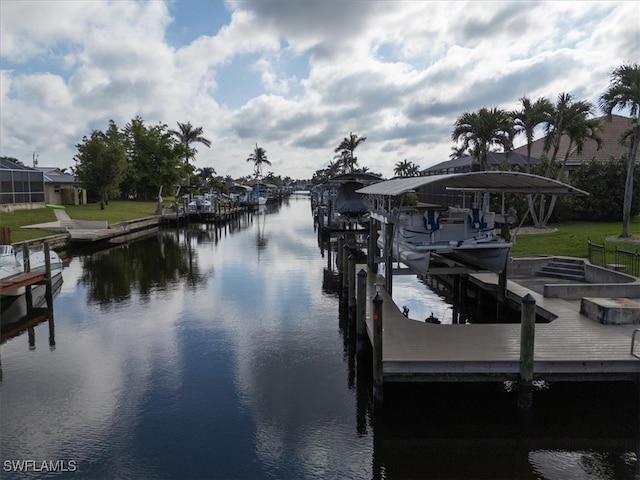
{"points": [[346, 148], [482, 130], [525, 121], [569, 117], [624, 92], [258, 157], [188, 134]]}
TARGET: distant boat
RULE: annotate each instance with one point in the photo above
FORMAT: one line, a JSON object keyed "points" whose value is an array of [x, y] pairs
{"points": [[349, 205], [11, 263]]}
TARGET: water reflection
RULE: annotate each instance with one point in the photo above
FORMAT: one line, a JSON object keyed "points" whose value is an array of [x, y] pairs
{"points": [[153, 263], [230, 361]]}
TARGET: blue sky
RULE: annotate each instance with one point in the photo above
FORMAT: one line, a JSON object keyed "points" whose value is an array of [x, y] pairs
{"points": [[294, 76]]}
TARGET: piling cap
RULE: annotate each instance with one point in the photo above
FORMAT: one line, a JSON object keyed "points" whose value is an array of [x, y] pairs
{"points": [[362, 273], [377, 298], [528, 299]]}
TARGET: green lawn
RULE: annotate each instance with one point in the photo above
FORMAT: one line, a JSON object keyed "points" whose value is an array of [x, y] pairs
{"points": [[570, 239], [116, 211]]}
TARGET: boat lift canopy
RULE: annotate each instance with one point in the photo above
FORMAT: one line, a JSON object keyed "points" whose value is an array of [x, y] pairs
{"points": [[485, 181]]}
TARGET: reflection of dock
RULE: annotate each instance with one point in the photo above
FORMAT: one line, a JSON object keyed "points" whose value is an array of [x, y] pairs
{"points": [[25, 311]]}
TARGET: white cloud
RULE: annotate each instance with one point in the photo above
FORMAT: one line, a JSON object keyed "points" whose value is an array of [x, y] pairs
{"points": [[298, 76]]}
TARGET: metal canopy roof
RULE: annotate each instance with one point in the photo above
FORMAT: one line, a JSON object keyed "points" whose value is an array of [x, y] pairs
{"points": [[487, 181]]}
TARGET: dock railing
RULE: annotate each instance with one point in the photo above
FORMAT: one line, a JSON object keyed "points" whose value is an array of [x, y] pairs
{"points": [[596, 253], [623, 260]]}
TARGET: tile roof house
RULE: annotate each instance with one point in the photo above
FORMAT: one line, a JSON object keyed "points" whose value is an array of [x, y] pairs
{"points": [[612, 130]]}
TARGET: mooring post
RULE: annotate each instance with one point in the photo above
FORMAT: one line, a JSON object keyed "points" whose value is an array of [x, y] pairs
{"points": [[501, 294], [345, 270], [339, 254], [388, 258], [527, 340], [361, 308], [48, 295], [377, 349], [351, 287], [26, 266]]}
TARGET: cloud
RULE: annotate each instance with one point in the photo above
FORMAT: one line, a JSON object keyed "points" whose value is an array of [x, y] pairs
{"points": [[296, 77]]}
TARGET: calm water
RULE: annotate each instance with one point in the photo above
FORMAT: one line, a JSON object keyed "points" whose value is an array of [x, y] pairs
{"points": [[215, 353]]}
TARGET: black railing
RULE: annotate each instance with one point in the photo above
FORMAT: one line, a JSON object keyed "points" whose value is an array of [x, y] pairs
{"points": [[596, 253], [629, 260], [624, 260]]}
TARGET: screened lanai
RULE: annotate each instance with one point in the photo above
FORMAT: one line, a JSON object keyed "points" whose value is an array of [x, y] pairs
{"points": [[20, 185]]}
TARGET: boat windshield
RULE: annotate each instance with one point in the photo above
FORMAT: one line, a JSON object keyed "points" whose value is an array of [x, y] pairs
{"points": [[6, 250]]}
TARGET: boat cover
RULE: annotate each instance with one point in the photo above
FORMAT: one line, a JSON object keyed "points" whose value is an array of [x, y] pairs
{"points": [[348, 202], [487, 181]]}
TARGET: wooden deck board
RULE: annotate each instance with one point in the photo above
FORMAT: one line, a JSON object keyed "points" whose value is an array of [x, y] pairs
{"points": [[21, 280], [570, 344]]}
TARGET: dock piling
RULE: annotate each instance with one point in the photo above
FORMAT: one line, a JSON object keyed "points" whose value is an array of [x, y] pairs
{"points": [[377, 350], [351, 287], [47, 268], [527, 340], [361, 308]]}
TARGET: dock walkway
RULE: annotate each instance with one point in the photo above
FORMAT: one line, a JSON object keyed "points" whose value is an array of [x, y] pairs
{"points": [[570, 348]]}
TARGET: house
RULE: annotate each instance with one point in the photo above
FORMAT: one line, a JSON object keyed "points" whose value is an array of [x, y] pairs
{"points": [[61, 188], [467, 163], [612, 130], [21, 187]]}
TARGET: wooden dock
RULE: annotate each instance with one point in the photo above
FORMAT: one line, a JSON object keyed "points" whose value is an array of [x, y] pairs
{"points": [[20, 280], [569, 348]]}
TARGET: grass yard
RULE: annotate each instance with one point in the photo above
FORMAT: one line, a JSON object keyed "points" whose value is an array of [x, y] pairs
{"points": [[116, 211], [570, 239]]}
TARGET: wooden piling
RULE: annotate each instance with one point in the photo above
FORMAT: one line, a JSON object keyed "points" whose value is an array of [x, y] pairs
{"points": [[351, 287], [372, 245], [47, 268], [377, 350], [388, 258], [361, 307], [527, 340], [26, 266]]}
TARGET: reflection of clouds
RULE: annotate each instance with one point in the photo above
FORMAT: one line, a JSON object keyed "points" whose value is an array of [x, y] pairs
{"points": [[421, 300], [271, 319], [93, 383]]}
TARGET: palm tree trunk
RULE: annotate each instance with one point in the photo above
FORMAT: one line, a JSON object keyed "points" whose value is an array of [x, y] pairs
{"points": [[628, 186]]}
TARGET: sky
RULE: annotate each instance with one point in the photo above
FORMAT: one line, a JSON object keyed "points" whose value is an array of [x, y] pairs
{"points": [[295, 77]]}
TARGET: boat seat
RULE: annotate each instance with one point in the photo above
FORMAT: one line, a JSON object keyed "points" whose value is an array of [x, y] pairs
{"points": [[431, 220], [476, 219]]}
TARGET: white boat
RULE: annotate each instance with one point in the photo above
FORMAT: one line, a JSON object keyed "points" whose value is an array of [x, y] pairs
{"points": [[11, 263], [464, 235]]}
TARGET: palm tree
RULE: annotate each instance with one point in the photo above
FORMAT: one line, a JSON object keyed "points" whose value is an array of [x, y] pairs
{"points": [[529, 118], [482, 130], [406, 169], [346, 148], [624, 92], [567, 118], [258, 157], [526, 121], [188, 134]]}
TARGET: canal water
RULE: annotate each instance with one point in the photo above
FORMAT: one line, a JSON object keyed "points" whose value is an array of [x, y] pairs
{"points": [[215, 352]]}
